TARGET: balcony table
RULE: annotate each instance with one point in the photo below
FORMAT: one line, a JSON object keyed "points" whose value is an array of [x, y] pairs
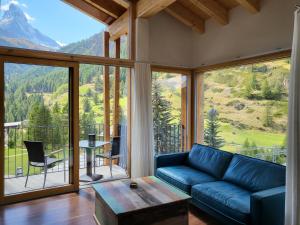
{"points": [[89, 176]]}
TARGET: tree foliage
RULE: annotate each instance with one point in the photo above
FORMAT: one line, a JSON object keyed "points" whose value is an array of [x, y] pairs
{"points": [[211, 131]]}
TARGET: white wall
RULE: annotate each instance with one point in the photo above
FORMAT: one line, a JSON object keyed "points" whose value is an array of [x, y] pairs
{"points": [[174, 44], [170, 41], [247, 34]]}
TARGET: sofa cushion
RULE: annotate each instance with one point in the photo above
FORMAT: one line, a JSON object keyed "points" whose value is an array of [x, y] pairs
{"points": [[254, 174], [224, 198], [209, 160], [183, 177]]}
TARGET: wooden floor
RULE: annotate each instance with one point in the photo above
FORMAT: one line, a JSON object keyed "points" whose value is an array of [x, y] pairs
{"points": [[69, 209]]}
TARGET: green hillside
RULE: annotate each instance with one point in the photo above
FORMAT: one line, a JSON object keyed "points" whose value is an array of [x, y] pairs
{"points": [[252, 102]]}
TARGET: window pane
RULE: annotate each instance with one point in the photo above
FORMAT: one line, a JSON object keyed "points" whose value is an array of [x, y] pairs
{"points": [[91, 111], [169, 102], [246, 109], [36, 110]]}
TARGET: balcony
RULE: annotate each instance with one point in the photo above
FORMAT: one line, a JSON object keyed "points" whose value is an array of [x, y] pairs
{"points": [[16, 157]]}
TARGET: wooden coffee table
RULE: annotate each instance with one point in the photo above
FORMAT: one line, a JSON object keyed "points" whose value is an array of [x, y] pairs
{"points": [[154, 202]]}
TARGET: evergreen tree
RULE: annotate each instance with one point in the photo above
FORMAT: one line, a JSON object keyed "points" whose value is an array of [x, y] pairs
{"points": [[162, 116], [87, 124], [211, 130], [266, 90], [40, 120], [86, 105], [98, 84], [268, 117]]}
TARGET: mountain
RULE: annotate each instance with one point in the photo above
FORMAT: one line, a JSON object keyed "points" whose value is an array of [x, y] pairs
{"points": [[16, 31], [89, 46]]}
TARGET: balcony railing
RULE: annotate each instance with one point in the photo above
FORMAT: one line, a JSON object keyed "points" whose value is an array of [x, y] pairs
{"points": [[54, 138], [166, 140]]}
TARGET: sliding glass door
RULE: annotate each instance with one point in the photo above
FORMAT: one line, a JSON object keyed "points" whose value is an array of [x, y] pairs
{"points": [[39, 127]]}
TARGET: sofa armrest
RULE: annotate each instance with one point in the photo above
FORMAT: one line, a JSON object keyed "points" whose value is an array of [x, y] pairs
{"points": [[172, 159], [267, 207]]}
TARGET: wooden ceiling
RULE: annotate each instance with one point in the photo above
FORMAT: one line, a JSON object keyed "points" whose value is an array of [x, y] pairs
{"points": [[192, 13]]}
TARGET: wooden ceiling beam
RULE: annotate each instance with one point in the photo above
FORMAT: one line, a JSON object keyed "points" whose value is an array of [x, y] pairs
{"points": [[213, 9], [145, 8], [119, 27], [124, 3], [109, 7], [148, 8], [186, 17], [90, 11], [252, 6]]}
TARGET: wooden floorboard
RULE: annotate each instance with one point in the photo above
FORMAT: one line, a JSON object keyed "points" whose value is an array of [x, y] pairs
{"points": [[69, 209]]}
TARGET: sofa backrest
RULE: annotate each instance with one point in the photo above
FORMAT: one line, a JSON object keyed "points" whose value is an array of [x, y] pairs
{"points": [[209, 160], [254, 174]]}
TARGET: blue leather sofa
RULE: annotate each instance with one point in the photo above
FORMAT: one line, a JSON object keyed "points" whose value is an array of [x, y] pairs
{"points": [[235, 189]]}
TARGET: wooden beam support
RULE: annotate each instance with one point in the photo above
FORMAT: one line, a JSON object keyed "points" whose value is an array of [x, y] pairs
{"points": [[109, 7], [64, 58], [144, 8], [116, 108], [186, 17], [119, 27], [252, 6], [106, 91], [148, 8], [131, 54], [90, 11], [213, 9]]}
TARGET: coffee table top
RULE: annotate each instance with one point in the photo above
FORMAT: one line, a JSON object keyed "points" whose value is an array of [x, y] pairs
{"points": [[151, 192], [85, 144]]}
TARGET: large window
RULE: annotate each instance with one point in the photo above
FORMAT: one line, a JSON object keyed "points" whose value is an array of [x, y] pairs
{"points": [[170, 111], [37, 109], [104, 123], [246, 109], [24, 24]]}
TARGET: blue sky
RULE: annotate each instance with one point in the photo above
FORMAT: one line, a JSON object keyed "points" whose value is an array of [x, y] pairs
{"points": [[57, 19]]}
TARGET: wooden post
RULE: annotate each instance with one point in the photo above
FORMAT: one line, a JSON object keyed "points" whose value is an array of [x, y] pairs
{"points": [[106, 92], [116, 109], [200, 109], [131, 54], [184, 112], [74, 124], [2, 131]]}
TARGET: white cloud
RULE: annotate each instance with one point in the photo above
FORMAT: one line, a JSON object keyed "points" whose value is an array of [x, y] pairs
{"points": [[28, 17], [61, 44], [24, 5]]}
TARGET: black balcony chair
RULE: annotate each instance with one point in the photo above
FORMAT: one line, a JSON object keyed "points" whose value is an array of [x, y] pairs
{"points": [[38, 158], [114, 153]]}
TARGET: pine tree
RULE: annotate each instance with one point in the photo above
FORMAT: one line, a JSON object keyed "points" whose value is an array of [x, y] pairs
{"points": [[211, 131], [162, 117], [266, 90], [268, 117], [87, 124], [40, 120], [86, 105]]}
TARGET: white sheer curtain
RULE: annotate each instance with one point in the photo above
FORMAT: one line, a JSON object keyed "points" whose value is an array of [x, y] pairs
{"points": [[142, 153], [292, 209]]}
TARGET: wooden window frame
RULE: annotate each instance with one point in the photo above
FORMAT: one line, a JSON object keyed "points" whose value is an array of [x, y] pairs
{"points": [[198, 74], [188, 100], [73, 69], [71, 61]]}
